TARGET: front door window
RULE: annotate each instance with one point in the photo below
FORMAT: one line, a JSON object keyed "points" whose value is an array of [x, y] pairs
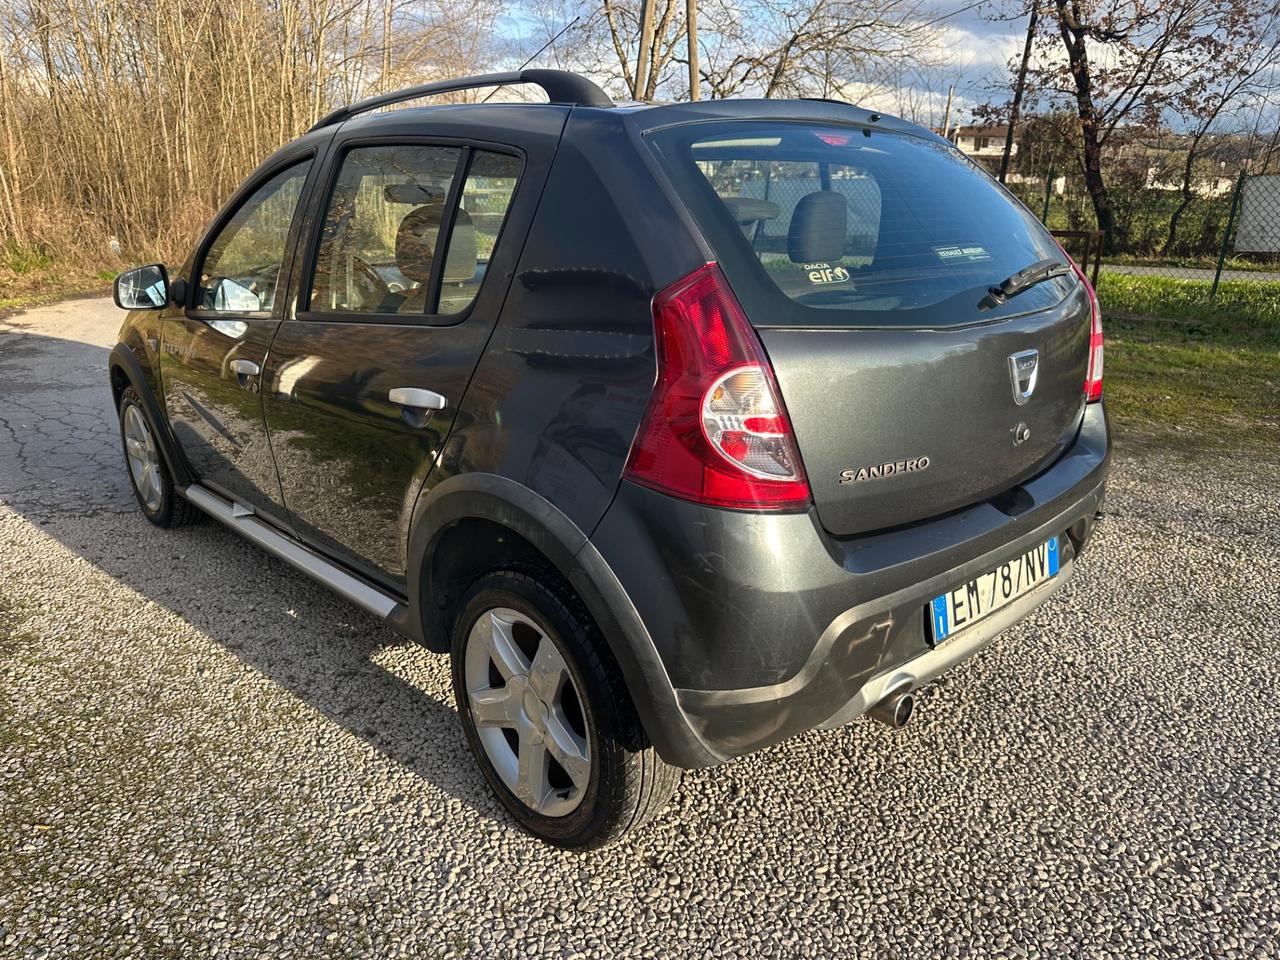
{"points": [[241, 270]]}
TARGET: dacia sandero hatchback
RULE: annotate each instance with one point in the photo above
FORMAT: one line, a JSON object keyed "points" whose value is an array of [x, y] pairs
{"points": [[683, 429]]}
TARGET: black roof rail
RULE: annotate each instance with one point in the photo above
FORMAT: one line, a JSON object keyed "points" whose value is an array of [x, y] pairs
{"points": [[560, 85]]}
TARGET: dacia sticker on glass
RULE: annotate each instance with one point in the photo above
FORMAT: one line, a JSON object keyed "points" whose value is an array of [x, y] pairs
{"points": [[961, 253], [1052, 546], [826, 273]]}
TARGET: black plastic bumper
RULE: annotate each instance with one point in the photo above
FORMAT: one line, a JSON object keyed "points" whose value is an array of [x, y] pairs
{"points": [[762, 626]]}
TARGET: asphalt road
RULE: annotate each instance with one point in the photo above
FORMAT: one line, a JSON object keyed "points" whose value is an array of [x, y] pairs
{"points": [[203, 754]]}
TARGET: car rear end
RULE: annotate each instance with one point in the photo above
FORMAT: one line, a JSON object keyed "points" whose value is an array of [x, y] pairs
{"points": [[863, 457]]}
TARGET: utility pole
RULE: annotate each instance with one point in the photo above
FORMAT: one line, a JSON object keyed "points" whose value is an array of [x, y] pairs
{"points": [[1018, 90], [642, 59], [946, 116], [691, 27]]}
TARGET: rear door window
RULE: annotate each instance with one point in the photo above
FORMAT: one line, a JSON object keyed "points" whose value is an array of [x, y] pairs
{"points": [[821, 225], [381, 229], [401, 237]]}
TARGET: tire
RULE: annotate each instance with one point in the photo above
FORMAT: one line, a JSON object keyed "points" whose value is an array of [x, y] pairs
{"points": [[148, 473], [621, 782]]}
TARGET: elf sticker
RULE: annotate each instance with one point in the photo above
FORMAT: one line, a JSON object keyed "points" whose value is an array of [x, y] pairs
{"points": [[956, 253], [826, 273]]}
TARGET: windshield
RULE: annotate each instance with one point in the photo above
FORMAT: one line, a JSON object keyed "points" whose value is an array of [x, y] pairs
{"points": [[854, 224]]}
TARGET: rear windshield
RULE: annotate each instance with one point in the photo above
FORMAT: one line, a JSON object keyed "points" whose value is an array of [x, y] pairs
{"points": [[854, 225]]}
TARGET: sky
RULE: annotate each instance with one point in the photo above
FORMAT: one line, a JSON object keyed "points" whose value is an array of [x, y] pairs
{"points": [[975, 49], [974, 52], [980, 38]]}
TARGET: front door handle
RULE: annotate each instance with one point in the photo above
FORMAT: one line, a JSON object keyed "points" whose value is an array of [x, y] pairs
{"points": [[416, 398]]}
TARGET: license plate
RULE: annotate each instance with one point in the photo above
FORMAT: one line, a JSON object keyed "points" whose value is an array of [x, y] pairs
{"points": [[970, 602]]}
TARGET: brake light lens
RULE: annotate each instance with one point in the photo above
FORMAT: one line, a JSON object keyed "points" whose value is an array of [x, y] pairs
{"points": [[715, 431], [1093, 377]]}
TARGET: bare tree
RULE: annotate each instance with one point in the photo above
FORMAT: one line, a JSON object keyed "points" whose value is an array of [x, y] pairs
{"points": [[1257, 57], [766, 48], [135, 118], [1127, 61]]}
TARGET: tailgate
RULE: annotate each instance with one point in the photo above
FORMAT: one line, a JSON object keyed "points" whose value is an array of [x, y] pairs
{"points": [[866, 403]]}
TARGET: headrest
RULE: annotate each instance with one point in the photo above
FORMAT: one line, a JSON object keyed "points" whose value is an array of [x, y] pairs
{"points": [[818, 228], [751, 210], [416, 241]]}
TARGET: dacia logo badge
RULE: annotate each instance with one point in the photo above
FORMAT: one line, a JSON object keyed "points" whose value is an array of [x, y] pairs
{"points": [[1024, 368]]}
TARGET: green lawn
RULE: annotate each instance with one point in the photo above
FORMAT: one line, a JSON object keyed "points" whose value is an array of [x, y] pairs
{"points": [[1193, 386], [1247, 310], [1182, 371]]}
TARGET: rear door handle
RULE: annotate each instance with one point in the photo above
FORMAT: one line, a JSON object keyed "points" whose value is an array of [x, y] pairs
{"points": [[416, 398], [245, 368]]}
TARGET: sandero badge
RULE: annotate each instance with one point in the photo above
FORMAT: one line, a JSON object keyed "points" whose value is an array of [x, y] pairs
{"points": [[881, 470]]}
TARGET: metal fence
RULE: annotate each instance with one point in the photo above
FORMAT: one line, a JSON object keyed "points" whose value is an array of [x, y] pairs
{"points": [[1227, 232]]}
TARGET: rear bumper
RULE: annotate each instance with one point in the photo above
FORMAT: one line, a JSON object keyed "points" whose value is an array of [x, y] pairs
{"points": [[765, 626]]}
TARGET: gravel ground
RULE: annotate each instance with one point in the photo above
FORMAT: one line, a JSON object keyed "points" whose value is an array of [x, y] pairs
{"points": [[204, 754]]}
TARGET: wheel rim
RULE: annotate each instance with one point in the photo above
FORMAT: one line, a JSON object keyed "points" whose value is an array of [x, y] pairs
{"points": [[144, 459], [528, 712]]}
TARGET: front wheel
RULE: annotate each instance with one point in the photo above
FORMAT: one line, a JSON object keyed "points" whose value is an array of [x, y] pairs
{"points": [[548, 716], [148, 473]]}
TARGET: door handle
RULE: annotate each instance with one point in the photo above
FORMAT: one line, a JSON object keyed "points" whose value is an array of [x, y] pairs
{"points": [[416, 398], [245, 368]]}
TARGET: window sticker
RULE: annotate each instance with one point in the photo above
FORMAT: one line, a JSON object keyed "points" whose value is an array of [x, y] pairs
{"points": [[826, 273], [957, 253]]}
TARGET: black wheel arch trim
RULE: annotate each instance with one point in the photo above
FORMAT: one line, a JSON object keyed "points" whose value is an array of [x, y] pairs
{"points": [[123, 358], [514, 506]]}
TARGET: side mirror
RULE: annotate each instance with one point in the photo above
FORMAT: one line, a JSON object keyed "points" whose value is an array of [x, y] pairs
{"points": [[142, 288]]}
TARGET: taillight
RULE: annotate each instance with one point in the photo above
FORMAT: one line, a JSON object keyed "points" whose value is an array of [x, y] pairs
{"points": [[1093, 377], [715, 431]]}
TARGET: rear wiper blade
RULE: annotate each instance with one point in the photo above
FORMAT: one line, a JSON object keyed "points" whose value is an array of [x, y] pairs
{"points": [[1024, 279]]}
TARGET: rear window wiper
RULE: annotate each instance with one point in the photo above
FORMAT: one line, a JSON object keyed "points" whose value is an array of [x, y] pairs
{"points": [[1024, 279]]}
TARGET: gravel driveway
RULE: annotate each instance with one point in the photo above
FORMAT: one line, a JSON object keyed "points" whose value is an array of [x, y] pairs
{"points": [[203, 754]]}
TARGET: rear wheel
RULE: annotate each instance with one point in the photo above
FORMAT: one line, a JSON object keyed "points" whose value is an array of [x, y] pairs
{"points": [[150, 477], [548, 716]]}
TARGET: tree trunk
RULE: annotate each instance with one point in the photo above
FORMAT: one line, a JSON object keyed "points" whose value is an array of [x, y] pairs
{"points": [[1073, 38], [1187, 196], [1096, 186], [1016, 106]]}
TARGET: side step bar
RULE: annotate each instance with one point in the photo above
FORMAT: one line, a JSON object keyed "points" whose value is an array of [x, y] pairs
{"points": [[241, 519]]}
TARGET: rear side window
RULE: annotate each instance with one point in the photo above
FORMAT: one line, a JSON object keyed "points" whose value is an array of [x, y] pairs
{"points": [[486, 194], [819, 224]]}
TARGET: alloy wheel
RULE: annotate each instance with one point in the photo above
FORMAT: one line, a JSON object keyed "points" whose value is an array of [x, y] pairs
{"points": [[144, 459], [528, 712]]}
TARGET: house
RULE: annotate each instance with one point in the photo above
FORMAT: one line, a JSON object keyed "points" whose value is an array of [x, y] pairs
{"points": [[982, 141]]}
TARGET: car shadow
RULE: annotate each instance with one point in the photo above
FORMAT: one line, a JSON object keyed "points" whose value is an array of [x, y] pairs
{"points": [[62, 469]]}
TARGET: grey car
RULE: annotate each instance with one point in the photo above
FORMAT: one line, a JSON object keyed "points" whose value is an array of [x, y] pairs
{"points": [[683, 429]]}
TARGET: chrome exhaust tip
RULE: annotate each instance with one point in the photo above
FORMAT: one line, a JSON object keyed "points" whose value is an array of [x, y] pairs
{"points": [[895, 709]]}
